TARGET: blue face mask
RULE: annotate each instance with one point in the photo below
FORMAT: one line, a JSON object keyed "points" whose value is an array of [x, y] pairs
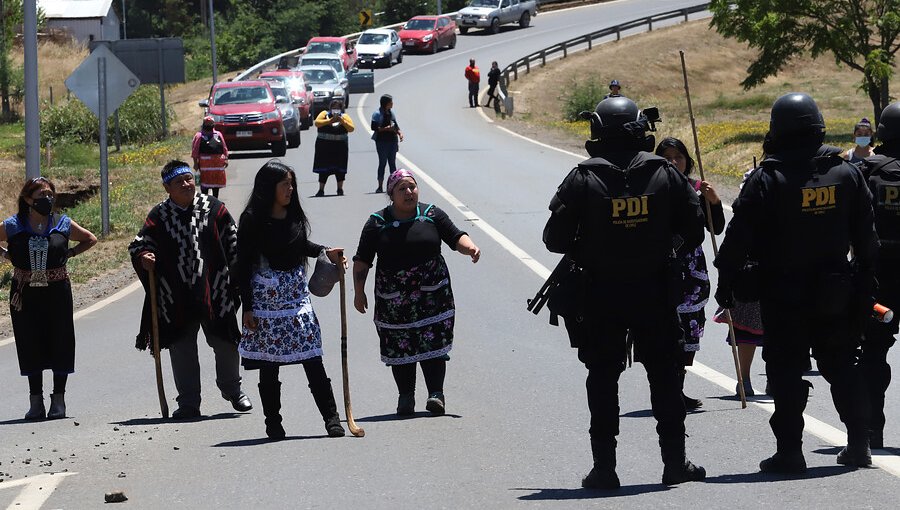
{"points": [[863, 141]]}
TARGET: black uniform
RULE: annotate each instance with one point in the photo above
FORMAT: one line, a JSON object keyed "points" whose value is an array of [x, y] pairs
{"points": [[800, 214], [616, 216], [883, 172]]}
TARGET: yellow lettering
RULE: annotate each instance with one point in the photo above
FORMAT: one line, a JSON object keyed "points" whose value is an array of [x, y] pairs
{"points": [[644, 205], [618, 205], [821, 196], [891, 193], [831, 193], [634, 206], [809, 194]]}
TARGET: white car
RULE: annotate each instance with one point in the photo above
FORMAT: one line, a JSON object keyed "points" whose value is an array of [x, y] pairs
{"points": [[328, 59], [378, 46]]}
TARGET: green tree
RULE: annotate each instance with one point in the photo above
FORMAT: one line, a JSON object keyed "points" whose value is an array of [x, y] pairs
{"points": [[10, 17], [860, 34]]}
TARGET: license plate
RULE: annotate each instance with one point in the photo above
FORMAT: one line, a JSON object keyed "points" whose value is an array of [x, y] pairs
{"points": [[410, 43], [467, 22], [244, 133]]}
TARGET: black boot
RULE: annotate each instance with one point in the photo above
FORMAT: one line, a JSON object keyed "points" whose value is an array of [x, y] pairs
{"points": [[37, 410], [603, 474], [677, 469], [784, 463], [857, 452], [324, 397], [270, 397], [57, 406], [690, 404]]}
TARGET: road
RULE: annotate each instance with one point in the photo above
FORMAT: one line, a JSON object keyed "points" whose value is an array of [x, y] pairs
{"points": [[515, 435]]}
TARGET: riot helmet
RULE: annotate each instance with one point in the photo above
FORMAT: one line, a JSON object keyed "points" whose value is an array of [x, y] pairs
{"points": [[620, 120], [889, 124], [796, 115]]}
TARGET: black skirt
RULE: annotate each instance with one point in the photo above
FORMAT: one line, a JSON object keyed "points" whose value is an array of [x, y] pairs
{"points": [[44, 328]]}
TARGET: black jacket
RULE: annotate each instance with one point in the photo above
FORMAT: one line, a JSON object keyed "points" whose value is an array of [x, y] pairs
{"points": [[883, 178]]}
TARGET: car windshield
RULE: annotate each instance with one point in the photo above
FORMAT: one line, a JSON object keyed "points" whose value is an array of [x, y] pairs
{"points": [[279, 91], [333, 62], [319, 75], [274, 81], [324, 47], [370, 38], [484, 3], [242, 95], [420, 24]]}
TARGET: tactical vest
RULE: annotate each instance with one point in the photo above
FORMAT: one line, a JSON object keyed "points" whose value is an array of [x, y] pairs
{"points": [[884, 183]]}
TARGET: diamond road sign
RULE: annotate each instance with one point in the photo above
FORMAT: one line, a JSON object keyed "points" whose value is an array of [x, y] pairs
{"points": [[120, 81]]}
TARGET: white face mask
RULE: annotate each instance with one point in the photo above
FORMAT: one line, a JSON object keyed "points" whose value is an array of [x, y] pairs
{"points": [[863, 141], [335, 113]]}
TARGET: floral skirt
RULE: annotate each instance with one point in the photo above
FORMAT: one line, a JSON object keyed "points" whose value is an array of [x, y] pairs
{"points": [[287, 329], [695, 291], [414, 312]]}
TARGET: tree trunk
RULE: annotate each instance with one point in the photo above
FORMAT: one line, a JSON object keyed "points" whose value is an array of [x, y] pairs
{"points": [[874, 88], [5, 109]]}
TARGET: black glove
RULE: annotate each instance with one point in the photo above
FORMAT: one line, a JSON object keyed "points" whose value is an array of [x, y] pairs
{"points": [[725, 295]]}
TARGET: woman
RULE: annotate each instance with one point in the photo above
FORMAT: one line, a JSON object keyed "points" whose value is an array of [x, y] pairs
{"points": [[414, 310], [38, 242], [280, 326], [862, 135], [693, 264], [332, 145], [387, 135], [210, 155]]}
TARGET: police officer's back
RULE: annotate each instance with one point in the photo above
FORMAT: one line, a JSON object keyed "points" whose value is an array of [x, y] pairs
{"points": [[800, 214], [883, 176], [619, 216]]}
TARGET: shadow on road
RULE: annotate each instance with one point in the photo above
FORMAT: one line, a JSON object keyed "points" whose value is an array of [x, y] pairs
{"points": [[564, 494], [250, 155], [160, 420], [263, 440], [643, 413], [813, 472], [395, 417], [19, 421]]}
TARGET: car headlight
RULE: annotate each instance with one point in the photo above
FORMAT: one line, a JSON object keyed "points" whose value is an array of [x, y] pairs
{"points": [[427, 37], [271, 115], [483, 18], [217, 118], [381, 55], [338, 92], [288, 113]]}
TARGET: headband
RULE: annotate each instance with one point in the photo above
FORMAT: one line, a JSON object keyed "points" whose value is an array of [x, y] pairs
{"points": [[396, 177], [175, 172]]}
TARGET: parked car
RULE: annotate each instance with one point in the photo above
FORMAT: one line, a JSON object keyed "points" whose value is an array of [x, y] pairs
{"points": [[491, 14], [324, 84], [295, 83], [328, 59], [340, 46], [428, 33], [246, 114], [290, 117], [379, 46]]}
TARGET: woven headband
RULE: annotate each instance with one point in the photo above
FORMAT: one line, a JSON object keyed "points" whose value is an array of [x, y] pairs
{"points": [[175, 172]]}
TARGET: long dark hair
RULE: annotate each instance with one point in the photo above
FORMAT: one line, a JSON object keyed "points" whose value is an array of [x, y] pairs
{"points": [[259, 207], [32, 185], [674, 143]]}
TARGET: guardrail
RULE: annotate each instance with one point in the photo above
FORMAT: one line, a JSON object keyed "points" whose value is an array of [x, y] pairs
{"points": [[585, 42]]}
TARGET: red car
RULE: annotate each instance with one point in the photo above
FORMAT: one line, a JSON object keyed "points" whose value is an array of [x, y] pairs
{"points": [[339, 46], [295, 82], [245, 113], [428, 33]]}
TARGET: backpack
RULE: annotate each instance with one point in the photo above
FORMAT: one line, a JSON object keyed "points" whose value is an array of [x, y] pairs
{"points": [[211, 144]]}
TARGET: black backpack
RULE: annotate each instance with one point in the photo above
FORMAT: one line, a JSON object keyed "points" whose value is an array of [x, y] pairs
{"points": [[211, 144]]}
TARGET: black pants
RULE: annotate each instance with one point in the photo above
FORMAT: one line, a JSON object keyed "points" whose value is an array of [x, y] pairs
{"points": [[473, 93], [657, 342], [792, 331], [315, 373], [878, 340], [434, 371], [490, 94]]}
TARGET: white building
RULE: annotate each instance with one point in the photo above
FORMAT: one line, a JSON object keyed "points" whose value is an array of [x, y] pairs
{"points": [[86, 20]]}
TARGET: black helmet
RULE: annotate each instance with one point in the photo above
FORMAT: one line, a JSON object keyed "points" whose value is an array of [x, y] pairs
{"points": [[795, 114], [889, 125], [616, 117]]}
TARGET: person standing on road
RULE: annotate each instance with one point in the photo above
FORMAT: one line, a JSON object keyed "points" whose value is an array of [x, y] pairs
{"points": [[473, 76], [40, 298], [280, 326], [332, 145], [387, 135], [862, 136], [800, 214], [694, 275], [414, 309], [883, 172], [210, 155], [493, 81], [190, 240], [639, 203]]}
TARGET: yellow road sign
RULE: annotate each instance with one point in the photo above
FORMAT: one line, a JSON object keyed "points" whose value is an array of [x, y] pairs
{"points": [[365, 17]]}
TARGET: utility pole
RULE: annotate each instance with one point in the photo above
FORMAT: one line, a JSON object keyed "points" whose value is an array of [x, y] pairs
{"points": [[439, 7], [32, 119], [124, 32], [212, 42]]}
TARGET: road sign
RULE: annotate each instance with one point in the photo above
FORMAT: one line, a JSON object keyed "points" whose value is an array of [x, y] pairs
{"points": [[120, 81], [365, 17]]}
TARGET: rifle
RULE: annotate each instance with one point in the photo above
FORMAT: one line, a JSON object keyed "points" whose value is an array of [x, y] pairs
{"points": [[535, 304]]}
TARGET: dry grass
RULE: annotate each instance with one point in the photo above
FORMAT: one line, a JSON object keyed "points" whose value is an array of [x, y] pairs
{"points": [[731, 120], [55, 63]]}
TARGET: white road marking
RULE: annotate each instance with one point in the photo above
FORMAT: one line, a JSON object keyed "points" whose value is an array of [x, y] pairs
{"points": [[37, 491], [93, 308]]}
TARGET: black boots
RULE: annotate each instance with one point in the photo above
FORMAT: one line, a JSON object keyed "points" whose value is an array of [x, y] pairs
{"points": [[690, 404], [677, 469], [270, 397], [857, 452], [603, 474], [57, 406], [784, 463], [37, 410], [324, 397]]}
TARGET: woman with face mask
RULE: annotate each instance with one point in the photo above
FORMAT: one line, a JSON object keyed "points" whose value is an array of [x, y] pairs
{"points": [[38, 247], [862, 135], [332, 145]]}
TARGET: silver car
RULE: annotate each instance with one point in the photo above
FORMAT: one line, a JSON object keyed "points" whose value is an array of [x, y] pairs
{"points": [[378, 46], [290, 116], [324, 59], [324, 83]]}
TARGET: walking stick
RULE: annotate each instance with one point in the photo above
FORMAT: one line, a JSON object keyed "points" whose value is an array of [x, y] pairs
{"points": [[154, 320], [345, 372], [732, 341]]}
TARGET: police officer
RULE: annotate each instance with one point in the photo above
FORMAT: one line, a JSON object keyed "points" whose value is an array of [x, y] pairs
{"points": [[883, 172], [615, 216], [800, 213], [615, 90]]}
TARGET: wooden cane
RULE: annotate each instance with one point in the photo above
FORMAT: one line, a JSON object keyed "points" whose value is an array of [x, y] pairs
{"points": [[345, 371], [154, 321], [731, 338]]}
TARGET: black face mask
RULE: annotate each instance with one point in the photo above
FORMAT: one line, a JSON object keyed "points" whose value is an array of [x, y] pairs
{"points": [[43, 206]]}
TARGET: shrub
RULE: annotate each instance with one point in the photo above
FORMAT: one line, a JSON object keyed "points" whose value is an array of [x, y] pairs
{"points": [[581, 97]]}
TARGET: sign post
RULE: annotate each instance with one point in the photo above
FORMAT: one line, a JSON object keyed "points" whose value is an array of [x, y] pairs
{"points": [[104, 152]]}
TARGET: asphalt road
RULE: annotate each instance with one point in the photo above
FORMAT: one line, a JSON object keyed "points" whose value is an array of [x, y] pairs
{"points": [[515, 435]]}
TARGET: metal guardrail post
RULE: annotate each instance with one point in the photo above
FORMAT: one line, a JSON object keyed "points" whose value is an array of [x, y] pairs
{"points": [[618, 34], [590, 41], [650, 23], [543, 58], [516, 71], [528, 65], [565, 48], [685, 12]]}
